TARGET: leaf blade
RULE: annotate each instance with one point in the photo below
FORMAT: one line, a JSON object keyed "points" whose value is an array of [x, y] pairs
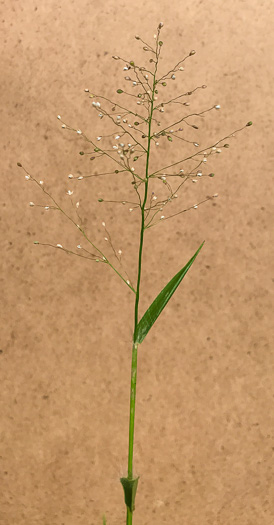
{"points": [[161, 301]]}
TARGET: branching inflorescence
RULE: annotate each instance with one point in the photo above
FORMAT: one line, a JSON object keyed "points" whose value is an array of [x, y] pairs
{"points": [[129, 149]]}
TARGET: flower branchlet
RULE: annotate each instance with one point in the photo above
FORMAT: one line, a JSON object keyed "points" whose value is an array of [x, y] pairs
{"points": [[99, 256]]}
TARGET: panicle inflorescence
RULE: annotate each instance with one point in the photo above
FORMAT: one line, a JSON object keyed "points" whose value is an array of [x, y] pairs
{"points": [[137, 129]]}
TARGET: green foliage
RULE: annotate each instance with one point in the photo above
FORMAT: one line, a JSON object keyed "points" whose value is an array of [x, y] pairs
{"points": [[130, 489], [161, 301]]}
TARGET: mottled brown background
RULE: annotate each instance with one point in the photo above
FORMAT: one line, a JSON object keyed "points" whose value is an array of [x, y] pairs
{"points": [[204, 422]]}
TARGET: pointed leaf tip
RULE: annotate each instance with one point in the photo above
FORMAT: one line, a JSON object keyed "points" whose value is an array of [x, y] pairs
{"points": [[161, 301]]}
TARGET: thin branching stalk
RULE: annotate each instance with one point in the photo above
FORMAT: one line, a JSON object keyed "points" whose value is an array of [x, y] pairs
{"points": [[136, 318]]}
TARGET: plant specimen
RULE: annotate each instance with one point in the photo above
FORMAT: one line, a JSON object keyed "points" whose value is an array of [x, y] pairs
{"points": [[138, 132]]}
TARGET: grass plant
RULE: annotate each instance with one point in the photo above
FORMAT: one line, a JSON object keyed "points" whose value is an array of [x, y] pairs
{"points": [[137, 130]]}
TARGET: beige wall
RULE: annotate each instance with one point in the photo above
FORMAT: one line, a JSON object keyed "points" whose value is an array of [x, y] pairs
{"points": [[204, 422]]}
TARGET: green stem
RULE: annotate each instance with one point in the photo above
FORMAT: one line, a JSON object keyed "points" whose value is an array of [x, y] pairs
{"points": [[132, 409], [129, 516], [135, 345], [143, 215]]}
